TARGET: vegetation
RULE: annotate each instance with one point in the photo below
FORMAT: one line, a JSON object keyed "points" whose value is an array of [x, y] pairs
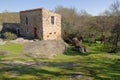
{"points": [[9, 36], [104, 28]]}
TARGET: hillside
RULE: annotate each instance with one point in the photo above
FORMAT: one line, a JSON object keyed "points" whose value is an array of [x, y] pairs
{"points": [[9, 17]]}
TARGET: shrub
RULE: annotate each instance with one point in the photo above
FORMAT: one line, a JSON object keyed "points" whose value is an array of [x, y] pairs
{"points": [[107, 46], [89, 40], [9, 36]]}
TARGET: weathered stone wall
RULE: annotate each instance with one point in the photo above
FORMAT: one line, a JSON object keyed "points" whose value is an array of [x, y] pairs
{"points": [[34, 21], [51, 31]]}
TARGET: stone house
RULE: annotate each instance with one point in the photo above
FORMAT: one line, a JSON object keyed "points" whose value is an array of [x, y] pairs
{"points": [[40, 23]]}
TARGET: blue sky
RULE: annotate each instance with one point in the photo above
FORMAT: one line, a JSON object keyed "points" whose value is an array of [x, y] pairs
{"points": [[93, 7]]}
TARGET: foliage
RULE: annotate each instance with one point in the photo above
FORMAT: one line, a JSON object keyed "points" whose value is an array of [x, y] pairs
{"points": [[114, 38], [9, 36], [81, 24], [73, 23], [107, 46]]}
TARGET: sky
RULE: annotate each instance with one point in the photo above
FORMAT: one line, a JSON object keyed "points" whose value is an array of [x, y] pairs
{"points": [[94, 7]]}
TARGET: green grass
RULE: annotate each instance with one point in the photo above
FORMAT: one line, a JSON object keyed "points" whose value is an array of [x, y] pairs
{"points": [[13, 48], [95, 65]]}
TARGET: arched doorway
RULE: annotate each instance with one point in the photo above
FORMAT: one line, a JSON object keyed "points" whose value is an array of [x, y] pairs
{"points": [[35, 32]]}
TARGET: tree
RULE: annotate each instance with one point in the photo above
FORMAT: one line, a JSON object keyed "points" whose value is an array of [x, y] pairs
{"points": [[74, 23], [114, 11], [115, 38]]}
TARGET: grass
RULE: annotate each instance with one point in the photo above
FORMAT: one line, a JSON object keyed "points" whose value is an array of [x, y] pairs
{"points": [[11, 47], [95, 65]]}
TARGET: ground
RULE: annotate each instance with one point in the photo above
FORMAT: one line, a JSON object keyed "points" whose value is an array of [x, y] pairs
{"points": [[95, 65]]}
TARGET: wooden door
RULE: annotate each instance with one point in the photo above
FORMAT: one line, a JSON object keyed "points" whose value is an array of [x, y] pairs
{"points": [[35, 32]]}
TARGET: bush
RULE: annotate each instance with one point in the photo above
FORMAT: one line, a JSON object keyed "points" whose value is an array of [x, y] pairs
{"points": [[9, 36], [89, 40], [107, 46]]}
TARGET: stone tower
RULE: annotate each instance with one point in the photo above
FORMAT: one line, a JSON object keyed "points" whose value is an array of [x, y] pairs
{"points": [[41, 24]]}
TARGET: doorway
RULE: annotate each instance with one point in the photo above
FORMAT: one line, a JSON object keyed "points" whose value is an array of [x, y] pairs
{"points": [[18, 32], [35, 32]]}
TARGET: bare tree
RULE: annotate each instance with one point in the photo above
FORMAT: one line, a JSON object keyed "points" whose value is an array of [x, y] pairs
{"points": [[114, 11]]}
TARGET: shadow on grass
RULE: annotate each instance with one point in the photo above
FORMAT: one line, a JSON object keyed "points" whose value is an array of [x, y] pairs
{"points": [[105, 70], [111, 70], [99, 70], [16, 71], [73, 52], [21, 70]]}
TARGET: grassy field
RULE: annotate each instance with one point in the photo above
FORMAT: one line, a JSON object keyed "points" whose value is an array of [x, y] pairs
{"points": [[95, 65]]}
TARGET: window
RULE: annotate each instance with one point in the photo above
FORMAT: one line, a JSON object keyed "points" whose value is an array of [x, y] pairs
{"points": [[52, 20], [26, 20]]}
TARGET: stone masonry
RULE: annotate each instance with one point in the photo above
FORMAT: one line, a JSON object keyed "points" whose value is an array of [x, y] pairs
{"points": [[41, 24]]}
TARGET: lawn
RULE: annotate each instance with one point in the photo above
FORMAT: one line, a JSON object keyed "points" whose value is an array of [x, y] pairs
{"points": [[11, 47], [95, 65]]}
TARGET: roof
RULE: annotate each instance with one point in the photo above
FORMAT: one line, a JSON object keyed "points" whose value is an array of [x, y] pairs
{"points": [[38, 9]]}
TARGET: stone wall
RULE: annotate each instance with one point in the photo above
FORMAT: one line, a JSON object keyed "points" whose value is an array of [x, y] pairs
{"points": [[34, 21], [51, 31]]}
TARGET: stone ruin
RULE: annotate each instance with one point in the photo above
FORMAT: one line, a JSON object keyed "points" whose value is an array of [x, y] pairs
{"points": [[36, 24]]}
